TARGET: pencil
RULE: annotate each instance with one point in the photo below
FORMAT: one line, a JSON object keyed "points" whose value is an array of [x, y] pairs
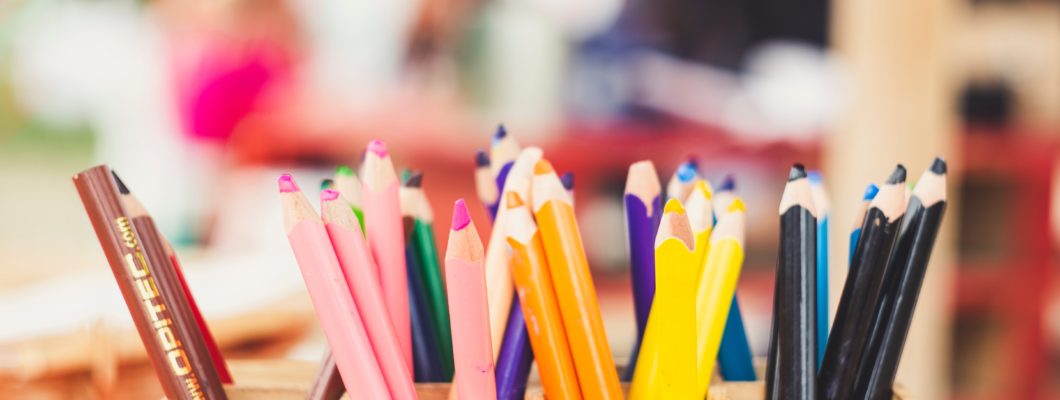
{"points": [[567, 180], [358, 269], [327, 183], [904, 277], [503, 152], [426, 355], [466, 281], [151, 313], [327, 384], [330, 294], [597, 376], [859, 217], [715, 290], [821, 204], [426, 252], [382, 218], [701, 217], [180, 292], [835, 380], [485, 186], [347, 183], [539, 304], [667, 363], [684, 177], [735, 361], [794, 355], [643, 209]]}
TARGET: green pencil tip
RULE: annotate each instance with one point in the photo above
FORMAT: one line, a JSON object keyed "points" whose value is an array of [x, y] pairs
{"points": [[343, 170]]}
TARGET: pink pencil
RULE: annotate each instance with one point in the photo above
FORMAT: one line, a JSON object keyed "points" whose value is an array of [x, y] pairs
{"points": [[358, 267], [468, 312], [382, 219], [330, 295]]}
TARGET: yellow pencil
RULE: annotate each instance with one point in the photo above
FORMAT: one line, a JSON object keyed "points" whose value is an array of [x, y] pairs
{"points": [[666, 366], [701, 218], [717, 285]]}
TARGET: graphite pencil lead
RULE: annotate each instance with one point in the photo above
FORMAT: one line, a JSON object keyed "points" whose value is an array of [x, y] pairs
{"points": [[415, 179], [938, 166], [121, 185], [797, 172], [898, 176]]}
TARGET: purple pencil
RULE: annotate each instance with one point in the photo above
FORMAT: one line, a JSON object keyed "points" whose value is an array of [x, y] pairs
{"points": [[643, 203]]}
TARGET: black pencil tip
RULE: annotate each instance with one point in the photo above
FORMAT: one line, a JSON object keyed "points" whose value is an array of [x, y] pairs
{"points": [[415, 179], [567, 179], [482, 159], [898, 176], [728, 184], [121, 185], [797, 172], [938, 166]]}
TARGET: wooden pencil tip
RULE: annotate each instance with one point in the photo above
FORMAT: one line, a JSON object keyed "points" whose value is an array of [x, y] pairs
{"points": [[567, 179], [327, 184], [121, 185], [415, 179], [482, 159], [938, 166], [378, 147], [461, 217], [543, 167], [343, 170], [704, 188], [687, 171], [514, 200], [737, 205], [287, 184], [328, 195], [673, 206], [797, 172], [898, 176], [728, 183], [870, 192], [500, 133], [814, 176]]}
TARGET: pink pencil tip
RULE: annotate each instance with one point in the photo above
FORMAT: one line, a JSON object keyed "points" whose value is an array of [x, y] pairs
{"points": [[328, 195], [378, 147], [461, 217], [287, 184]]}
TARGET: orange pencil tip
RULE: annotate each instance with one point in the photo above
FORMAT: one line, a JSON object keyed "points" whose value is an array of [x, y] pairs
{"points": [[514, 200], [543, 167]]}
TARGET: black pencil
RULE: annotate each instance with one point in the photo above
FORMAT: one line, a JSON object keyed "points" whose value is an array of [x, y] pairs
{"points": [[795, 315], [850, 331], [902, 281]]}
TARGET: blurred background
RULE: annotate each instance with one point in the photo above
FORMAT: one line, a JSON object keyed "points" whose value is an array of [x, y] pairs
{"points": [[200, 104]]}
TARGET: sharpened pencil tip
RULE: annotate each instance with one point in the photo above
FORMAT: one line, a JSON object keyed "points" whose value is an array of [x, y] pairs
{"points": [[514, 200], [543, 167], [344, 170], [287, 184], [327, 184], [673, 206], [415, 179], [938, 166], [898, 176], [728, 183], [378, 147], [482, 159], [329, 195], [567, 179], [121, 185], [797, 172], [461, 217], [737, 205], [814, 176], [870, 192], [686, 172], [500, 133], [703, 187]]}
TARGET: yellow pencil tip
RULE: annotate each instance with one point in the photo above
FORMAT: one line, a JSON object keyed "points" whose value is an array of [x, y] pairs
{"points": [[674, 206], [543, 167], [704, 187], [737, 205], [514, 200]]}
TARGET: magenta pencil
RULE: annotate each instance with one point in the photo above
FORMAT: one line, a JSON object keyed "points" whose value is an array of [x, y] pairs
{"points": [[382, 219], [330, 295], [358, 267], [468, 312]]}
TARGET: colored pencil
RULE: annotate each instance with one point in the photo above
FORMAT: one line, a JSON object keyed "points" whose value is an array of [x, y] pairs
{"points": [[327, 385], [859, 216], [821, 204], [725, 192], [794, 355], [684, 177], [643, 209], [735, 361], [503, 152], [358, 269], [382, 218], [667, 363], [565, 252], [426, 355], [152, 314], [835, 380], [327, 184], [180, 292], [426, 252], [485, 186], [347, 183], [330, 294], [468, 311], [567, 180], [716, 287], [904, 277], [701, 217], [539, 304]]}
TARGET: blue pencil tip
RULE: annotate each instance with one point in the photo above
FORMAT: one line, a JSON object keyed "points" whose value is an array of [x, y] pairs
{"points": [[686, 172], [814, 176], [728, 184], [870, 192]]}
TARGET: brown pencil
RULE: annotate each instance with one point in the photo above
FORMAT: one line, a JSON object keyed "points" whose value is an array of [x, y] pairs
{"points": [[152, 314]]}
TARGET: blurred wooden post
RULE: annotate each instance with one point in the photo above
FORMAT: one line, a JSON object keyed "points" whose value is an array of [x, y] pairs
{"points": [[900, 107]]}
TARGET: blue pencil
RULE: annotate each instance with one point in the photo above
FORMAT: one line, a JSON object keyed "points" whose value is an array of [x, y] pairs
{"points": [[820, 200]]}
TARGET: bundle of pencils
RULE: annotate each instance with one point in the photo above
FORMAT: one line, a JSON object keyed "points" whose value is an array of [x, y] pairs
{"points": [[185, 356]]}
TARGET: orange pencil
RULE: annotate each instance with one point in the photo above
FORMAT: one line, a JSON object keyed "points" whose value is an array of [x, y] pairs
{"points": [[574, 286], [386, 238], [330, 295], [540, 307], [468, 312]]}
